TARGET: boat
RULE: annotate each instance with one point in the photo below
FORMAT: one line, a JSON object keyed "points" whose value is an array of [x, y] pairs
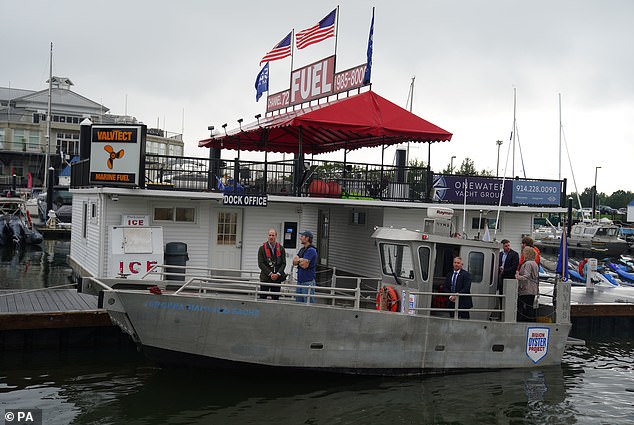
{"points": [[597, 238], [622, 271], [395, 324], [16, 225]]}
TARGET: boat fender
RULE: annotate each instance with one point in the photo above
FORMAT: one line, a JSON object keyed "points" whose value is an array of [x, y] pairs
{"points": [[387, 299], [29, 219], [155, 290], [581, 264]]}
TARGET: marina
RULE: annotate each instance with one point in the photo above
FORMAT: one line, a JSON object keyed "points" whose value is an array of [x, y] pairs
{"points": [[318, 259]]}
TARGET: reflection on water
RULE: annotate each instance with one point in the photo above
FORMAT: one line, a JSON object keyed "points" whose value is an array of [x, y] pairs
{"points": [[35, 266], [594, 385]]}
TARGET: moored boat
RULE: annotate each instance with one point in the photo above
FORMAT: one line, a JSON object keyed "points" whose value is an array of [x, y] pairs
{"points": [[599, 238], [16, 225], [349, 329]]}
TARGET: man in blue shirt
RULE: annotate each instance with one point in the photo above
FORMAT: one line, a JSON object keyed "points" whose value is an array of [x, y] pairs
{"points": [[306, 262]]}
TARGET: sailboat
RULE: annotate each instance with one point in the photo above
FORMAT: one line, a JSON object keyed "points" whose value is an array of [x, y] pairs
{"points": [[598, 238]]}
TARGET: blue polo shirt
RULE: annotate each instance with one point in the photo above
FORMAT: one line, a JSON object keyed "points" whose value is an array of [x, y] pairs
{"points": [[307, 274]]}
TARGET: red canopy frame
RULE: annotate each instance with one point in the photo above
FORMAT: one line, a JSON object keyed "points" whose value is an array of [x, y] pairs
{"points": [[362, 120]]}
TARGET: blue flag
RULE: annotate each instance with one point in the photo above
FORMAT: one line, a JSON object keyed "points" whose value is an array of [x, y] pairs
{"points": [[262, 82], [562, 258], [368, 67]]}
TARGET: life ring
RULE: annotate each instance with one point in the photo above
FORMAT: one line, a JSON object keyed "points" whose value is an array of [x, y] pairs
{"points": [[387, 299]]}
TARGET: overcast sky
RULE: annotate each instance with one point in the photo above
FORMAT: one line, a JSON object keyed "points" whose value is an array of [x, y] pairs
{"points": [[165, 60]]}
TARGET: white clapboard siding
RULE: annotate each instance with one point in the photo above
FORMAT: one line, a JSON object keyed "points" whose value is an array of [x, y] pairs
{"points": [[83, 249], [412, 219], [351, 248], [257, 222], [196, 235], [513, 226], [309, 219]]}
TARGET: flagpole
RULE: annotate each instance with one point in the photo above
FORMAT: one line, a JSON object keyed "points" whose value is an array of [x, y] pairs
{"points": [[290, 75], [336, 37], [464, 209], [292, 49]]}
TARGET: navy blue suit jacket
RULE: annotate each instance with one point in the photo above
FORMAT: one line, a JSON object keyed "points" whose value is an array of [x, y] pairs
{"points": [[463, 286], [510, 265]]}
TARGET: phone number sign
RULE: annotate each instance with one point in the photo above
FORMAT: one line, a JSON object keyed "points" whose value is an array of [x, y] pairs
{"points": [[528, 192], [316, 81]]}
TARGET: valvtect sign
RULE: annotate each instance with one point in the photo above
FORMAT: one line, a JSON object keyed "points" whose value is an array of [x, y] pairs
{"points": [[117, 155]]}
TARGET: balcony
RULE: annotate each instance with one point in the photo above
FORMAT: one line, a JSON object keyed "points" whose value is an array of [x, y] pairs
{"points": [[313, 178]]}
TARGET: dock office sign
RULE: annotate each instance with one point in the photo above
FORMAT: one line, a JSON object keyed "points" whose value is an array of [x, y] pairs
{"points": [[117, 155], [245, 200]]}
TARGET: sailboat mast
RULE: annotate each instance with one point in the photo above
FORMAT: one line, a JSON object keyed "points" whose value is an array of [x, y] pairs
{"points": [[559, 136], [48, 119], [410, 98], [514, 129]]}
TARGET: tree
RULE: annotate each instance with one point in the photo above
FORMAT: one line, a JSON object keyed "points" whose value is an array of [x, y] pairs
{"points": [[619, 199], [467, 168]]}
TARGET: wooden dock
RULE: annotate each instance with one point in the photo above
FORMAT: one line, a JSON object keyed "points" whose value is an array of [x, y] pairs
{"points": [[54, 318], [54, 232], [602, 312]]}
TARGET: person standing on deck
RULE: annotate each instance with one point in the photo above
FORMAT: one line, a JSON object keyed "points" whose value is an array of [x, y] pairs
{"points": [[459, 281], [306, 262], [509, 262], [528, 279], [272, 264], [528, 241]]}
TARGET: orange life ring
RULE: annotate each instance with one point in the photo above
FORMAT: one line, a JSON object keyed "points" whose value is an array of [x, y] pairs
{"points": [[387, 299]]}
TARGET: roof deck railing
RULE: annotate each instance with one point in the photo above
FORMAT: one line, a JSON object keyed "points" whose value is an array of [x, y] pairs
{"points": [[311, 177]]}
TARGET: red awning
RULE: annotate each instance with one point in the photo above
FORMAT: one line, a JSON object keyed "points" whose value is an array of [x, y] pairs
{"points": [[363, 120]]}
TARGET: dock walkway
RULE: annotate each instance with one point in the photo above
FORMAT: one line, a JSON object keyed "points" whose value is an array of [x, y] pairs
{"points": [[49, 309]]}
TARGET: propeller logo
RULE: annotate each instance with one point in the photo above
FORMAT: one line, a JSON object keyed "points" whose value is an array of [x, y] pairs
{"points": [[113, 154]]}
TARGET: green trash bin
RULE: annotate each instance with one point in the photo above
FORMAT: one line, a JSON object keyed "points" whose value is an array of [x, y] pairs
{"points": [[175, 255]]}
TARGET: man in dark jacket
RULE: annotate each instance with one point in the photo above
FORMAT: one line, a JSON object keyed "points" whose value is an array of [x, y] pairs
{"points": [[272, 264], [509, 261], [459, 281]]}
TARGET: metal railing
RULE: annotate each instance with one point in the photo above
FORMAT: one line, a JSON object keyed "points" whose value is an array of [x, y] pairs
{"points": [[338, 291], [313, 178]]}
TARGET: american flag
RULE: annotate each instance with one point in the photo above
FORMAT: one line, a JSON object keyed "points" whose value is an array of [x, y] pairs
{"points": [[280, 51], [319, 32]]}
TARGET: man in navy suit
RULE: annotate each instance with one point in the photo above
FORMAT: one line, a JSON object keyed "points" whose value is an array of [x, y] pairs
{"points": [[509, 261], [459, 281]]}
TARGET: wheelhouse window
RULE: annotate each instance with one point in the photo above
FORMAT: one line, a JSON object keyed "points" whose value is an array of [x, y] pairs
{"points": [[606, 231], [175, 214], [476, 266], [424, 255], [396, 260]]}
